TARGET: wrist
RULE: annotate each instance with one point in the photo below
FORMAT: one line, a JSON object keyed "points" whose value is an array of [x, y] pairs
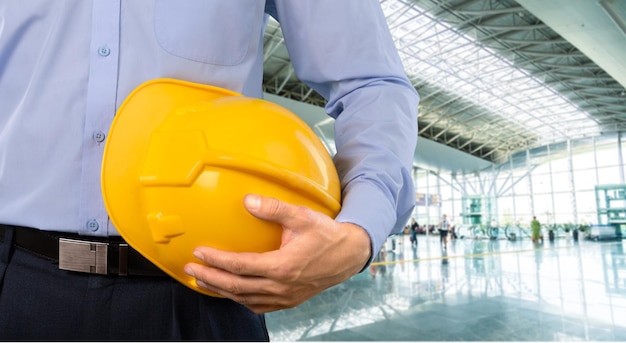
{"points": [[361, 239]]}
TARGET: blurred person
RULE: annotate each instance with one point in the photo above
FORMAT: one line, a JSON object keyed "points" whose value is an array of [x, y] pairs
{"points": [[495, 230], [413, 229], [444, 226], [535, 227]]}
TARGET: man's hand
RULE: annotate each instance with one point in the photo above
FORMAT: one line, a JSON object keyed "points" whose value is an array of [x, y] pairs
{"points": [[316, 253]]}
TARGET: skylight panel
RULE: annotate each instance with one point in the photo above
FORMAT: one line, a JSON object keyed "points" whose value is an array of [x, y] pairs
{"points": [[447, 59]]}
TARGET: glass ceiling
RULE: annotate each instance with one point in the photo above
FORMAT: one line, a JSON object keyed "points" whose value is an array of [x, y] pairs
{"points": [[437, 54]]}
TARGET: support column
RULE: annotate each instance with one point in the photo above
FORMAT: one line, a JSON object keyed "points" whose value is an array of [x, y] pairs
{"points": [[620, 159], [531, 196], [570, 175]]}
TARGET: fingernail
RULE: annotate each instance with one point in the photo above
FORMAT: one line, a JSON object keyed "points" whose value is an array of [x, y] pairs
{"points": [[189, 271], [253, 202], [198, 255]]}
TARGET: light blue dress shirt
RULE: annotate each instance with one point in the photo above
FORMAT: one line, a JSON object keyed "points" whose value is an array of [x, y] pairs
{"points": [[66, 66]]}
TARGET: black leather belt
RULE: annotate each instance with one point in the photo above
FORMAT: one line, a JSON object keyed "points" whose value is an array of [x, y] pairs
{"points": [[96, 255]]}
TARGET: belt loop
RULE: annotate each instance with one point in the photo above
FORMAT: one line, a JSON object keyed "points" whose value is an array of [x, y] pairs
{"points": [[123, 259]]}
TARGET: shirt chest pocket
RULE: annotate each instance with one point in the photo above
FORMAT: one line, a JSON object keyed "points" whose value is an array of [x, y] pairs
{"points": [[220, 32]]}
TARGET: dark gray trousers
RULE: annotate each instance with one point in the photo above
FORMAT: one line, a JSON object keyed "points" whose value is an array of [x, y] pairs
{"points": [[40, 302]]}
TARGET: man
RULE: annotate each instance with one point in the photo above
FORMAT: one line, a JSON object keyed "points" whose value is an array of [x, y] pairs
{"points": [[66, 66], [414, 228], [443, 231], [536, 230]]}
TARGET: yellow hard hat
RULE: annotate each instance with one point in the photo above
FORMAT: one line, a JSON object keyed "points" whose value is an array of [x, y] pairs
{"points": [[180, 157]]}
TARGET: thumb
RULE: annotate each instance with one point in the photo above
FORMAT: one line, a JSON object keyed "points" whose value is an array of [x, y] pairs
{"points": [[267, 208], [291, 218]]}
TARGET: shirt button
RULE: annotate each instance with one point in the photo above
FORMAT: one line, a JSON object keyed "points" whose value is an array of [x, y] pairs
{"points": [[99, 136], [104, 51], [92, 225]]}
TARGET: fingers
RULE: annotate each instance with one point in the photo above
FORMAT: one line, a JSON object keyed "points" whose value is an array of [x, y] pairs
{"points": [[260, 294], [227, 284], [252, 292], [238, 263]]}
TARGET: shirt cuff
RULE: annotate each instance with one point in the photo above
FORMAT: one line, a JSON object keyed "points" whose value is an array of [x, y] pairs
{"points": [[366, 205]]}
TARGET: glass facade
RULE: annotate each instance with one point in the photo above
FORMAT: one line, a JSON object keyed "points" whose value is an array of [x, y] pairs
{"points": [[554, 182]]}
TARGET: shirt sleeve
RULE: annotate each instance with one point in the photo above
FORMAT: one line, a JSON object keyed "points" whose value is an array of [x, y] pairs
{"points": [[344, 50]]}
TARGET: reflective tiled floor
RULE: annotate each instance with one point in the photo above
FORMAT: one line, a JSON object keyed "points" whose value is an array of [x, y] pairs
{"points": [[475, 290]]}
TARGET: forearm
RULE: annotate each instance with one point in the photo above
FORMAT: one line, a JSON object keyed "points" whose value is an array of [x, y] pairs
{"points": [[359, 72]]}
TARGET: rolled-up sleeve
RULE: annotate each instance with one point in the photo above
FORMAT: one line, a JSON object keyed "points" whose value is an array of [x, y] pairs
{"points": [[343, 50]]}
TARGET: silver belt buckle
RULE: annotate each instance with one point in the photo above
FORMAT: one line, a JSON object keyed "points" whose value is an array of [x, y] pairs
{"points": [[83, 256]]}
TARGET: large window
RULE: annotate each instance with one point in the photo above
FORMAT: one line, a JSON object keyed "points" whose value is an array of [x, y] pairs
{"points": [[549, 170]]}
